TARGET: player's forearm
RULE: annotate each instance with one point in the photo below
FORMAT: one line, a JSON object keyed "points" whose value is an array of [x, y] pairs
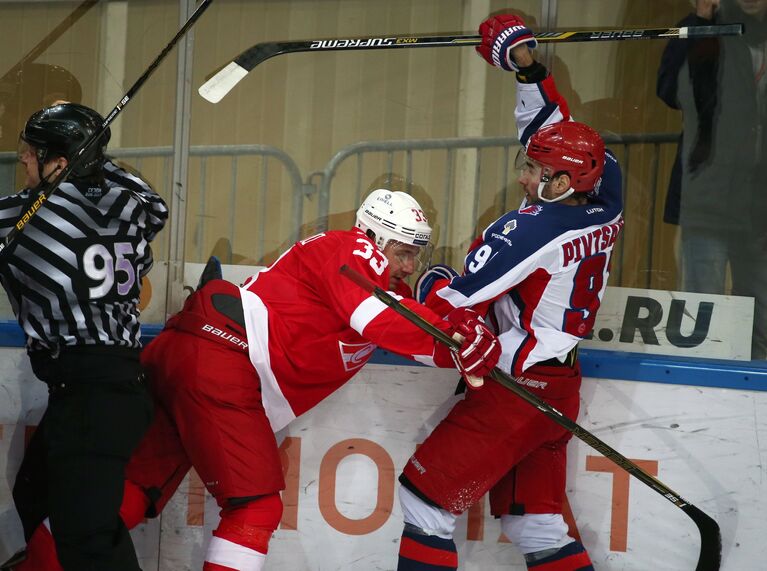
{"points": [[392, 332], [538, 104]]}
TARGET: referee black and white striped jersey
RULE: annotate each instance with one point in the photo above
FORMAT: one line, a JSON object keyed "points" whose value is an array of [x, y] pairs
{"points": [[73, 275]]}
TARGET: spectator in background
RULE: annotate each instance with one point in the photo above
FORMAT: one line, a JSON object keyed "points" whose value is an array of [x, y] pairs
{"points": [[717, 193]]}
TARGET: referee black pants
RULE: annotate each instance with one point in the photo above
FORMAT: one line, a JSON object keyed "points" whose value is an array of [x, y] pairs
{"points": [[74, 467]]}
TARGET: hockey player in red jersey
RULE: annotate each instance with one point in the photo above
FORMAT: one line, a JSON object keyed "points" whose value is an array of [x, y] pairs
{"points": [[239, 363], [540, 273]]}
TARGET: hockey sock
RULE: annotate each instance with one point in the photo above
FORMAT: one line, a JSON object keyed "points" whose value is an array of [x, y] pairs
{"points": [[223, 555], [241, 540], [571, 557], [134, 505], [420, 552], [41, 551]]}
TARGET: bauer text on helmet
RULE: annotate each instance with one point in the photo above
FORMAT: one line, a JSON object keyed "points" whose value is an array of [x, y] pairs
{"points": [[573, 148]]}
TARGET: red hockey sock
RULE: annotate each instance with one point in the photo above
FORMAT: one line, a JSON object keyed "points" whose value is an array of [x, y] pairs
{"points": [[571, 557], [134, 505], [241, 539], [419, 552], [214, 567], [41, 552]]}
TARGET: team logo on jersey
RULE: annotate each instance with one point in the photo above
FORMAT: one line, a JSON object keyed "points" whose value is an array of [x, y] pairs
{"points": [[533, 210], [595, 192], [510, 226], [354, 355]]}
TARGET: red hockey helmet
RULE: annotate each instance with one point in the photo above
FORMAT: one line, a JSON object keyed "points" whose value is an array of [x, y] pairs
{"points": [[570, 147]]}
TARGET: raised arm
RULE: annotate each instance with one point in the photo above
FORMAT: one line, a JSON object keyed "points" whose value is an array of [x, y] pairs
{"points": [[507, 43]]}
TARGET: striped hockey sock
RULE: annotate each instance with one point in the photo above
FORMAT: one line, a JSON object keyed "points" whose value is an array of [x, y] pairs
{"points": [[571, 557], [418, 552]]}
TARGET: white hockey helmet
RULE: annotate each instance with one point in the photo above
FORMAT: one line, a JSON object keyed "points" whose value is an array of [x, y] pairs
{"points": [[391, 215]]}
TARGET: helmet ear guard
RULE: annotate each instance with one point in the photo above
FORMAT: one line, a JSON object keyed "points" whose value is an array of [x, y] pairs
{"points": [[393, 216]]}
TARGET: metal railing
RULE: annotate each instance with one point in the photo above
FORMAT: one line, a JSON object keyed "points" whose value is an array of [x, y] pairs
{"points": [[406, 152], [409, 147], [236, 153], [402, 156], [626, 141]]}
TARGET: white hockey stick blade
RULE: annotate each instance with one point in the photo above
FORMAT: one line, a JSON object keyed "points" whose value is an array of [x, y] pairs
{"points": [[222, 82]]}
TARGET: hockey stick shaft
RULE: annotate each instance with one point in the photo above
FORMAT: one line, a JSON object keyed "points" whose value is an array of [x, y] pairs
{"points": [[52, 36], [711, 541], [223, 80], [49, 188]]}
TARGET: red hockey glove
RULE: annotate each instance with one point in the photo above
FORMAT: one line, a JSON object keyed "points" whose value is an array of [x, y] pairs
{"points": [[480, 348], [499, 35]]}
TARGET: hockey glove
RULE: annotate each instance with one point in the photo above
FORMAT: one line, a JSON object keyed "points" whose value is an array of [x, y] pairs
{"points": [[500, 34], [480, 348], [426, 281]]}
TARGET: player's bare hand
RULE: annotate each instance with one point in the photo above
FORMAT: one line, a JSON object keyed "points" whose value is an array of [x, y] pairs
{"points": [[706, 8], [522, 55], [504, 38]]}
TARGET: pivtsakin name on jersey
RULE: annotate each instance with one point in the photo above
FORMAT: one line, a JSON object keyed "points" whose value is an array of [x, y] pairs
{"points": [[596, 241]]}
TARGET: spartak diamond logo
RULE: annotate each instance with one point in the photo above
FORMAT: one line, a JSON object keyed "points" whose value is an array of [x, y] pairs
{"points": [[354, 355]]}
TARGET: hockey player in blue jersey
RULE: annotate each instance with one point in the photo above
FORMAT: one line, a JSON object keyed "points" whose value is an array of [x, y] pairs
{"points": [[539, 274]]}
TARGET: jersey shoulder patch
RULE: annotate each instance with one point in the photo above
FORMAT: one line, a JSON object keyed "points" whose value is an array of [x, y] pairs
{"points": [[532, 210]]}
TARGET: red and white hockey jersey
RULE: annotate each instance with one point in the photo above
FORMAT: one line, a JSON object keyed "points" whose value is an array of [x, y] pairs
{"points": [[310, 329], [543, 267]]}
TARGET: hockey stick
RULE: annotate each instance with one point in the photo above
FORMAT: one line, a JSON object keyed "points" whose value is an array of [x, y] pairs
{"points": [[710, 537], [52, 36], [223, 80], [49, 188]]}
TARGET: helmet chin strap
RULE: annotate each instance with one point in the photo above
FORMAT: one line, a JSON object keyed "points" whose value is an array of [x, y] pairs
{"points": [[542, 185], [45, 179]]}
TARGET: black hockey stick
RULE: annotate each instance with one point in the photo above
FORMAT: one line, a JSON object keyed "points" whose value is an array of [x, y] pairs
{"points": [[52, 36], [224, 79], [49, 188], [710, 557]]}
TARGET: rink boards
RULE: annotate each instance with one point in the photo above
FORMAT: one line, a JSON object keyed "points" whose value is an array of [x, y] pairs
{"points": [[342, 460]]}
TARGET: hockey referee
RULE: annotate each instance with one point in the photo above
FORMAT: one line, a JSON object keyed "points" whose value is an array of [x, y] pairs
{"points": [[73, 277]]}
